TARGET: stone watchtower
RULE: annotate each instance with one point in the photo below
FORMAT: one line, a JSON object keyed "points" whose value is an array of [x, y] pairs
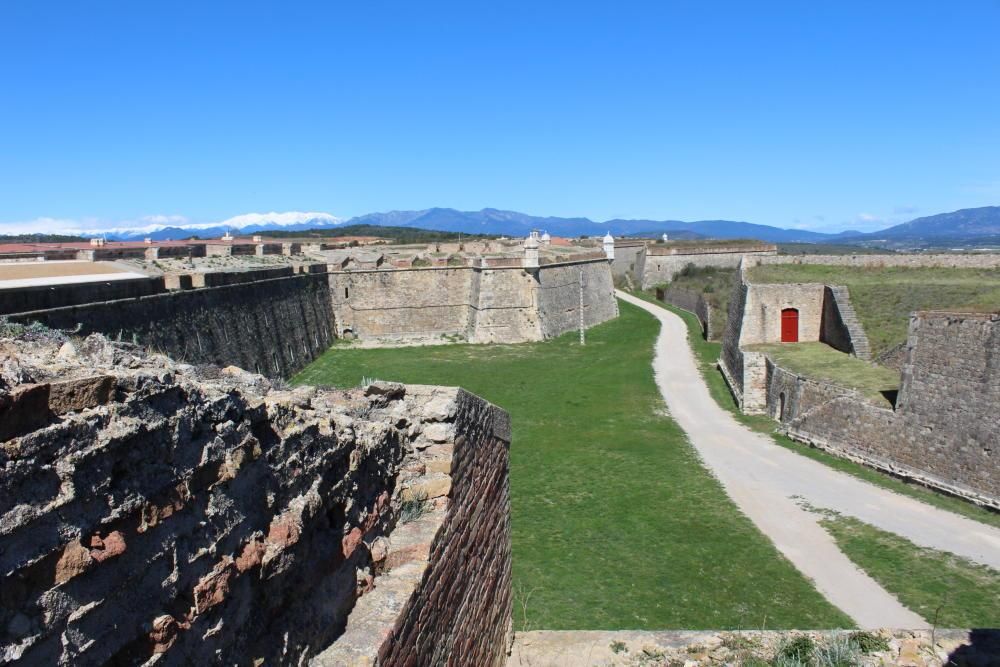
{"points": [[609, 246], [531, 251]]}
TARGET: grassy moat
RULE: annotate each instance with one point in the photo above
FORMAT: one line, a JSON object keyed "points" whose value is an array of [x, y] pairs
{"points": [[616, 523]]}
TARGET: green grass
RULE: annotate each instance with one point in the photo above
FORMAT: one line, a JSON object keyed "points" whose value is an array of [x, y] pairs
{"points": [[885, 297], [615, 522], [707, 354], [946, 590], [819, 361]]}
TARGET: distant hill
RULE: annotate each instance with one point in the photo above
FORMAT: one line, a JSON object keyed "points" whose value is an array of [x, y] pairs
{"points": [[396, 234], [967, 228], [512, 223], [40, 238], [963, 228]]}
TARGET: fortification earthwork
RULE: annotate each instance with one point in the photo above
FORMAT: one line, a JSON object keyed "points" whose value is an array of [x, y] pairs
{"points": [[166, 498]]}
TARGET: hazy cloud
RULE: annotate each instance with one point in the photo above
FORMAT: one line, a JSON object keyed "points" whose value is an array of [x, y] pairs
{"points": [[905, 210]]}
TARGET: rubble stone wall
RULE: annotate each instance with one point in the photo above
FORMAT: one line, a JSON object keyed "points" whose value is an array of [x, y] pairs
{"points": [[193, 516]]}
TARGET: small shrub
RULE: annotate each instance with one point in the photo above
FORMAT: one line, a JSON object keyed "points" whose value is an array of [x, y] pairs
{"points": [[869, 642], [414, 508], [838, 651], [618, 647], [799, 648]]}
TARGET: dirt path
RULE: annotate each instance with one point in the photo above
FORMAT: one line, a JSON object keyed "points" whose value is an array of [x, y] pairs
{"points": [[768, 483]]}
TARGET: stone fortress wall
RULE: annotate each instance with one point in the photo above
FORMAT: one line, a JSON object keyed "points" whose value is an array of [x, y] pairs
{"points": [[660, 263], [481, 305], [277, 320], [269, 325], [155, 511], [942, 429]]}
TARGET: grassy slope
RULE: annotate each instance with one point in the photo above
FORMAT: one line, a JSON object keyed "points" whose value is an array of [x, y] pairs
{"points": [[885, 297], [822, 362], [961, 594], [616, 524], [717, 287], [708, 353]]}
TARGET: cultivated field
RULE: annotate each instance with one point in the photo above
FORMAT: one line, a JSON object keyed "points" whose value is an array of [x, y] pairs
{"points": [[616, 523], [885, 297]]}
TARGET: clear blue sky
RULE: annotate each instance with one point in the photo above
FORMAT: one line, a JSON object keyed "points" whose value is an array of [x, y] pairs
{"points": [[813, 114]]}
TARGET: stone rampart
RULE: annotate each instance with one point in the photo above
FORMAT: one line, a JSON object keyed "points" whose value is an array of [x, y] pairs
{"points": [[23, 299], [273, 326], [943, 429], [661, 264], [480, 304], [186, 516], [627, 259], [560, 292]]}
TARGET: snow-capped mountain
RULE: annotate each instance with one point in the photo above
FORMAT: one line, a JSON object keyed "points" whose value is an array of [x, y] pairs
{"points": [[161, 228]]}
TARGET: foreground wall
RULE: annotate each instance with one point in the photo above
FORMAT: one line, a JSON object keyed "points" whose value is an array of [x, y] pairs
{"points": [[154, 512], [943, 429], [274, 326]]}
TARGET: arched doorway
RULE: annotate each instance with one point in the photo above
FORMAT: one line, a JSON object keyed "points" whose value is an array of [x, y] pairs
{"points": [[790, 325]]}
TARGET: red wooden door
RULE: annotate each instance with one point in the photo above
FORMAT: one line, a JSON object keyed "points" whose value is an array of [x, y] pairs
{"points": [[790, 325]]}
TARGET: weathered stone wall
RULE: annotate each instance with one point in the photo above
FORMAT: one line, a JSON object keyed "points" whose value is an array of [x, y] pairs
{"points": [[691, 301], [627, 259], [790, 395], [762, 312], [559, 296], [24, 299], [832, 329], [943, 430], [445, 595], [969, 261], [194, 516], [662, 264], [399, 304], [480, 304], [273, 326], [731, 358]]}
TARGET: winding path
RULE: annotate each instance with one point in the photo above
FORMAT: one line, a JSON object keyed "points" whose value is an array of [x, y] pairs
{"points": [[769, 483]]}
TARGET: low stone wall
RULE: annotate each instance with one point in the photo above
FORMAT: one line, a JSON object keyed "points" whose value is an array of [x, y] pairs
{"points": [[274, 327], [181, 515], [943, 260]]}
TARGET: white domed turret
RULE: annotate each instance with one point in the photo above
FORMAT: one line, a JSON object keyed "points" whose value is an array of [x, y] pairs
{"points": [[609, 245], [665, 237], [546, 239], [531, 251]]}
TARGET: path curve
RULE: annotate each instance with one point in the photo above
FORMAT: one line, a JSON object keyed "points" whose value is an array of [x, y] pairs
{"points": [[768, 482]]}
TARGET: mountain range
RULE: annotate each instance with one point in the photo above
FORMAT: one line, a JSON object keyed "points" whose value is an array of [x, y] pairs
{"points": [[963, 228]]}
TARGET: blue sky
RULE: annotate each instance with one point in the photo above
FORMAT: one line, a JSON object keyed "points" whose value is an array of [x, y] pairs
{"points": [[826, 115]]}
